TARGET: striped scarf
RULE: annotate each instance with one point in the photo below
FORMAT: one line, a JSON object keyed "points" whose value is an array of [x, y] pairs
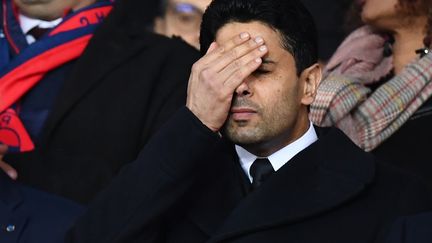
{"points": [[370, 117]]}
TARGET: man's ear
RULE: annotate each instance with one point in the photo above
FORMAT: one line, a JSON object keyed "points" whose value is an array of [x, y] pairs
{"points": [[159, 25], [311, 78]]}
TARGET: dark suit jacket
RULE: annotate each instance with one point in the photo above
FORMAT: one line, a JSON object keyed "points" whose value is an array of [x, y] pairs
{"points": [[126, 84], [409, 147], [31, 216], [412, 229], [186, 186]]}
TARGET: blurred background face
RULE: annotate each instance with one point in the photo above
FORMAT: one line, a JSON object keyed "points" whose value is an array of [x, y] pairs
{"points": [[182, 18], [49, 9], [379, 12], [388, 14]]}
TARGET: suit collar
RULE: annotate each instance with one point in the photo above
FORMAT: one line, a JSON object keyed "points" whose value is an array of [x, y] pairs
{"points": [[280, 157], [326, 174]]}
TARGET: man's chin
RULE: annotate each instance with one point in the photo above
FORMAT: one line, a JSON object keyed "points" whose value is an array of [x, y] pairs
{"points": [[240, 135]]}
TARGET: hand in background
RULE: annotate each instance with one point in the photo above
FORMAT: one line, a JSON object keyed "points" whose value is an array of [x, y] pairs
{"points": [[5, 166]]}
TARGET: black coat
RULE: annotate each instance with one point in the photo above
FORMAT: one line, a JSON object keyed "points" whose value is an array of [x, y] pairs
{"points": [[125, 85], [32, 216], [412, 229], [187, 186], [409, 147]]}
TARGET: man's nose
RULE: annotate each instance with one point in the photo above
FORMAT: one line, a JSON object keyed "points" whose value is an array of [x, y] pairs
{"points": [[243, 89]]}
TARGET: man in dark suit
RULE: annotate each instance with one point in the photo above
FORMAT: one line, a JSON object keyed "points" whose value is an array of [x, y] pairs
{"points": [[412, 229], [242, 162], [32, 216], [92, 115]]}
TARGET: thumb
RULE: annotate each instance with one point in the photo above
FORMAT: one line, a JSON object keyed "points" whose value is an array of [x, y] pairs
{"points": [[9, 170]]}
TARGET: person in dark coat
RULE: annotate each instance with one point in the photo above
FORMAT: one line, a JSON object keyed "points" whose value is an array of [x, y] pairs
{"points": [[412, 229], [32, 216], [242, 161], [111, 100], [377, 86]]}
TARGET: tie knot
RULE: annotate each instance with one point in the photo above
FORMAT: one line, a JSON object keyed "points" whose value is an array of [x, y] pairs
{"points": [[37, 32], [260, 170]]}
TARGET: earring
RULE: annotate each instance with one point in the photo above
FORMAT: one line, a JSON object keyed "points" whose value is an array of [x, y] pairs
{"points": [[422, 51], [388, 46]]}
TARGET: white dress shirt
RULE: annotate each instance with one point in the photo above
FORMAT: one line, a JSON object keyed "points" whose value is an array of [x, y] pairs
{"points": [[280, 157], [28, 23]]}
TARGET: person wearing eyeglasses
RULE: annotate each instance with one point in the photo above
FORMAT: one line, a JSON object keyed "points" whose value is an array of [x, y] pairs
{"points": [[181, 18]]}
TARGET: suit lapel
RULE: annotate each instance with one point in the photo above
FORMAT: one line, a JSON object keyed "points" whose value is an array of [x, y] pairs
{"points": [[96, 63], [321, 177], [211, 209]]}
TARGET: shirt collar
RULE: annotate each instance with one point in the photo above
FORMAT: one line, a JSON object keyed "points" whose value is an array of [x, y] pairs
{"points": [[280, 157], [28, 23]]}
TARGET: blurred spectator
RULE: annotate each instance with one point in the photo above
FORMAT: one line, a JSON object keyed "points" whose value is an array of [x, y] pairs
{"points": [[31, 216], [181, 18], [377, 86], [88, 116]]}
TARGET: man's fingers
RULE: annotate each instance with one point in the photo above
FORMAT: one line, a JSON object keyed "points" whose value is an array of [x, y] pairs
{"points": [[231, 67], [9, 170], [236, 53], [241, 74], [215, 54], [242, 62]]}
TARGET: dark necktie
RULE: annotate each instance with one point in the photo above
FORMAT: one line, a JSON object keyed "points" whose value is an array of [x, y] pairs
{"points": [[37, 32], [260, 170]]}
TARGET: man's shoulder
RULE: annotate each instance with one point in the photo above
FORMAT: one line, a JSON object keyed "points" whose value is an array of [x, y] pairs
{"points": [[35, 215], [54, 204], [337, 146]]}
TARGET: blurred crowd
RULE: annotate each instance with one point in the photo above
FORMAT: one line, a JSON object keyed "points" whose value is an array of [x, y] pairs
{"points": [[88, 86]]}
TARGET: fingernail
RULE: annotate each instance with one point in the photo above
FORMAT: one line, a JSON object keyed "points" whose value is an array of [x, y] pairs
{"points": [[258, 60], [12, 175], [244, 35], [263, 48], [259, 40]]}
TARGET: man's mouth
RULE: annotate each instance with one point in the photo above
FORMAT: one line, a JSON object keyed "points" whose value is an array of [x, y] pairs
{"points": [[242, 113]]}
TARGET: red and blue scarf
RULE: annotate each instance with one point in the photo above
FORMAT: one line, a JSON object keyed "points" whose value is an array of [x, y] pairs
{"points": [[22, 66]]}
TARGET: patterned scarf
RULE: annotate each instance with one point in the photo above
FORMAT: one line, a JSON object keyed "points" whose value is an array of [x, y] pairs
{"points": [[369, 116], [28, 65]]}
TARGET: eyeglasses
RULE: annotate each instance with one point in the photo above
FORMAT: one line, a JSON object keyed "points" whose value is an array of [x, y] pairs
{"points": [[184, 16]]}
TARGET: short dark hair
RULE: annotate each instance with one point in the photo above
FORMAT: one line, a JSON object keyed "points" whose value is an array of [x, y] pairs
{"points": [[289, 18]]}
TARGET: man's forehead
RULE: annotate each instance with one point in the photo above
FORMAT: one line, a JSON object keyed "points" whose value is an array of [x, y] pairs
{"points": [[232, 29]]}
